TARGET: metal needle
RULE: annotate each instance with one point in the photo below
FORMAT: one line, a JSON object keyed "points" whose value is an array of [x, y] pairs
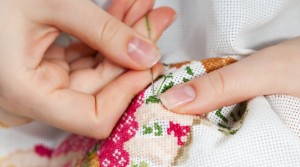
{"points": [[149, 36]]}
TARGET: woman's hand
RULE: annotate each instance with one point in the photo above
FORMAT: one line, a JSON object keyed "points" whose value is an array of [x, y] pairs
{"points": [[270, 71], [40, 80]]}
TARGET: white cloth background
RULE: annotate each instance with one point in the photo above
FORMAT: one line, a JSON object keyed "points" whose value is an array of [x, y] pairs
{"points": [[270, 134]]}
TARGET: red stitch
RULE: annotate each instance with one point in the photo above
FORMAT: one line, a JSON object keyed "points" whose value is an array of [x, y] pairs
{"points": [[178, 131], [111, 152]]}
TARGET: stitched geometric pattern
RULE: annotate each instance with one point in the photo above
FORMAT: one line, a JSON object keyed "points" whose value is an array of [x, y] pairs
{"points": [[150, 135]]}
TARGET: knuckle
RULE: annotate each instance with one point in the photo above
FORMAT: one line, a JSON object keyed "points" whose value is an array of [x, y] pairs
{"points": [[101, 130], [109, 31], [216, 81]]}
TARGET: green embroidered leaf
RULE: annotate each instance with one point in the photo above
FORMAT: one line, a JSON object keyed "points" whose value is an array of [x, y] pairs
{"points": [[227, 130], [152, 99], [189, 70], [170, 75], [166, 87], [133, 164], [158, 129], [220, 115], [143, 164], [147, 130], [185, 79]]}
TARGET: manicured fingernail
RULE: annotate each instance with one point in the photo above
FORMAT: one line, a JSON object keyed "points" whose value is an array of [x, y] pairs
{"points": [[178, 96], [143, 53]]}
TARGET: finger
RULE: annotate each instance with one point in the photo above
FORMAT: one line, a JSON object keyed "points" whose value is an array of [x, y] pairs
{"points": [[119, 8], [56, 55], [93, 80], [159, 20], [85, 62], [137, 11], [77, 50], [229, 85], [101, 31], [89, 116], [10, 120]]}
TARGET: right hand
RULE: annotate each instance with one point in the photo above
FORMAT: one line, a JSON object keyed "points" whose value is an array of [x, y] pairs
{"points": [[37, 78]]}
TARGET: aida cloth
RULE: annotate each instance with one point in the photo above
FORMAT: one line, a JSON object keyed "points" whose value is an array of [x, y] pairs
{"points": [[150, 135]]}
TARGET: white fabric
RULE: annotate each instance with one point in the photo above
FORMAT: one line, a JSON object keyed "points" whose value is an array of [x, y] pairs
{"points": [[270, 134], [236, 27]]}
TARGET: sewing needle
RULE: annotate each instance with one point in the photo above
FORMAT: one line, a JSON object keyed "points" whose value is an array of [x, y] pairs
{"points": [[149, 36]]}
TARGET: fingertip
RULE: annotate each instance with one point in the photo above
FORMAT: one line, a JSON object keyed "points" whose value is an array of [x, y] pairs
{"points": [[137, 11], [158, 21], [178, 97]]}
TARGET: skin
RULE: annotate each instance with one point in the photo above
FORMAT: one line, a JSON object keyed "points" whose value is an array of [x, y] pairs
{"points": [[71, 88], [273, 70]]}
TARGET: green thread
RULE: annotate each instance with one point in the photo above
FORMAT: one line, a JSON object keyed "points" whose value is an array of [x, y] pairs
{"points": [[147, 130], [148, 26], [90, 154], [189, 70], [166, 87], [154, 98], [220, 115], [185, 79], [158, 129], [141, 164], [223, 126]]}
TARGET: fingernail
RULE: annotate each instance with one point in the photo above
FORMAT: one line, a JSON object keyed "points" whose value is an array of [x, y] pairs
{"points": [[143, 53], [178, 96]]}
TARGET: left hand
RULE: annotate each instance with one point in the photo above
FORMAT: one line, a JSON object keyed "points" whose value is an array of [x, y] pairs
{"points": [[273, 70]]}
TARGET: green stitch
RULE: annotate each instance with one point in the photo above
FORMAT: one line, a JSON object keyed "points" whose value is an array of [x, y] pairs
{"points": [[229, 132], [143, 164], [189, 70], [170, 75], [94, 149], [158, 129], [166, 87], [220, 115], [152, 99], [223, 126], [147, 130], [165, 78], [133, 164], [185, 79]]}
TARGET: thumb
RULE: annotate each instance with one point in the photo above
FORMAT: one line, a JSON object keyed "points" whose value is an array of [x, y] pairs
{"points": [[105, 33], [229, 85]]}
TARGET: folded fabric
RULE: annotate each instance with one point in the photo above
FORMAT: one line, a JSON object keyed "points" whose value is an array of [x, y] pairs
{"points": [[150, 135]]}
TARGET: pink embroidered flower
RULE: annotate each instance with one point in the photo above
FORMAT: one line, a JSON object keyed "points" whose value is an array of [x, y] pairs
{"points": [[75, 143], [43, 151], [112, 152], [181, 132]]}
